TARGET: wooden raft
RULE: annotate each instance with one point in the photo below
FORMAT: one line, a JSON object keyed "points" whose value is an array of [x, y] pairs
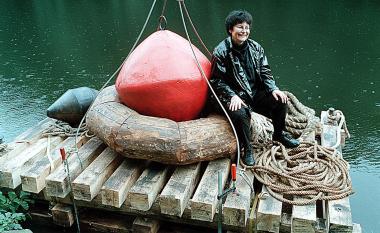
{"points": [[103, 180]]}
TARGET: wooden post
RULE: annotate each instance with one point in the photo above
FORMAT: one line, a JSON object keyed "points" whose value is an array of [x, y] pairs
{"points": [[146, 189], [268, 213], [57, 184], [145, 225], [114, 190], [33, 180], [204, 201], [179, 189], [236, 206], [63, 215]]}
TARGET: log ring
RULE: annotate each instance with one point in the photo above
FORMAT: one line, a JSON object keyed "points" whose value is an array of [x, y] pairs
{"points": [[158, 139]]}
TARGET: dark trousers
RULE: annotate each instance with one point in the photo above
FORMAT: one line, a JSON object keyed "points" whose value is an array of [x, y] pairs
{"points": [[264, 104]]}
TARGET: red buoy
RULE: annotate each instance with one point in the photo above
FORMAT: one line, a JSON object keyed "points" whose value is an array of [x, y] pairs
{"points": [[161, 78]]}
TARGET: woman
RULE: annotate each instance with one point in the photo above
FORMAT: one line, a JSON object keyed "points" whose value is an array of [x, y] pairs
{"points": [[243, 81]]}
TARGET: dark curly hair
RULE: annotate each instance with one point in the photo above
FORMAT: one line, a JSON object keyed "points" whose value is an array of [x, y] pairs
{"points": [[236, 17]]}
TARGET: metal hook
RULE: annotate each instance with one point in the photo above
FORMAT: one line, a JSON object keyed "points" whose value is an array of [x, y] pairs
{"points": [[162, 22]]}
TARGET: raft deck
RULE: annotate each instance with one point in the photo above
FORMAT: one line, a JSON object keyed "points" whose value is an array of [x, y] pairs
{"points": [[138, 195]]}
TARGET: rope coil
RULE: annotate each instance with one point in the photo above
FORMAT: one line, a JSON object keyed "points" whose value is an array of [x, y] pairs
{"points": [[63, 129], [311, 172]]}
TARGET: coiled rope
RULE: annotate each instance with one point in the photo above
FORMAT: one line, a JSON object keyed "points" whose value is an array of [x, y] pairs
{"points": [[300, 122], [311, 172], [336, 117], [63, 129]]}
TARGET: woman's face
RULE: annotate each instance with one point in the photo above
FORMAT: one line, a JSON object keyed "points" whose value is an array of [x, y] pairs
{"points": [[240, 32]]}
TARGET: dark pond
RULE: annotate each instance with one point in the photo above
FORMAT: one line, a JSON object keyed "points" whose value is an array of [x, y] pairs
{"points": [[325, 52]]}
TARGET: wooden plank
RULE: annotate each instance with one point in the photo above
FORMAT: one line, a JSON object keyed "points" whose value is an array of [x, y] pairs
{"points": [[63, 215], [304, 218], [179, 189], [145, 225], [321, 226], [236, 206], [286, 223], [33, 179], [339, 213], [88, 184], [115, 189], [11, 169], [144, 192], [105, 221], [204, 202], [24, 140], [268, 213], [57, 184]]}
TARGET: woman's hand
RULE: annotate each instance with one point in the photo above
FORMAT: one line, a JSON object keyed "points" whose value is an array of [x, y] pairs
{"points": [[236, 103], [279, 95]]}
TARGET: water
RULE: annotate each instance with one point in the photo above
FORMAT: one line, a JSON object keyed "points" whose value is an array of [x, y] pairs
{"points": [[325, 52]]}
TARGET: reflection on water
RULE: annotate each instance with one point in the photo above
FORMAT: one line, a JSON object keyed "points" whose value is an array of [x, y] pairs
{"points": [[325, 52]]}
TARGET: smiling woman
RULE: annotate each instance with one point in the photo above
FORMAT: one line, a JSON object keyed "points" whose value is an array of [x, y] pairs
{"points": [[240, 33], [244, 83]]}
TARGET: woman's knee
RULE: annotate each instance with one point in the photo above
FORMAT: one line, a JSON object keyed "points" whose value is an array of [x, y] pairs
{"points": [[241, 114]]}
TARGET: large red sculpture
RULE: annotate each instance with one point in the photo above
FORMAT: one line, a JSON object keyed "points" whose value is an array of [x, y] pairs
{"points": [[161, 78]]}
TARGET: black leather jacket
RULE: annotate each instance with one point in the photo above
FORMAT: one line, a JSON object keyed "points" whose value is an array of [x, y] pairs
{"points": [[228, 77]]}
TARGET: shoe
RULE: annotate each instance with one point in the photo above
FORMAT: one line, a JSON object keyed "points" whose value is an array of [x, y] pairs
{"points": [[248, 158], [286, 139]]}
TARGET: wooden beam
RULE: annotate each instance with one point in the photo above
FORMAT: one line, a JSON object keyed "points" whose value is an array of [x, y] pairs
{"points": [[57, 184], [144, 192], [88, 184], [145, 225], [179, 189], [11, 169], [204, 201], [63, 215], [321, 226], [339, 213], [268, 213], [24, 140], [286, 223], [33, 179], [105, 221], [236, 206], [115, 189], [304, 218]]}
